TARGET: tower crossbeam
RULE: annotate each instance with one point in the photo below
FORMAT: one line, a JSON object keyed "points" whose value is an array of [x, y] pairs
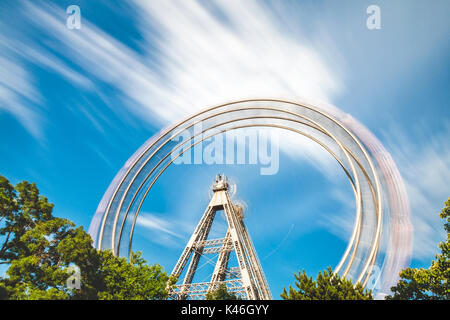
{"points": [[199, 290]]}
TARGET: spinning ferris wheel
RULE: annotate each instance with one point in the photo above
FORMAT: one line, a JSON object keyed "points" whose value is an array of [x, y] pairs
{"points": [[380, 242]]}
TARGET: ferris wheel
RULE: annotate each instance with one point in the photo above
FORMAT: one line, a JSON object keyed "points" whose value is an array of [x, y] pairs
{"points": [[380, 243]]}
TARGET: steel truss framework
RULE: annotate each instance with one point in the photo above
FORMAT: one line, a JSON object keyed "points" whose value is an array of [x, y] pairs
{"points": [[248, 280], [382, 212]]}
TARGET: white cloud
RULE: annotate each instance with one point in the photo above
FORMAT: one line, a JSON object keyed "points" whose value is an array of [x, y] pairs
{"points": [[299, 147], [196, 59], [152, 222], [51, 62], [341, 221], [18, 95], [206, 60]]}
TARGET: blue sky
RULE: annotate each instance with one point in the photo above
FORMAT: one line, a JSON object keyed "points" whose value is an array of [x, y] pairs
{"points": [[76, 104]]}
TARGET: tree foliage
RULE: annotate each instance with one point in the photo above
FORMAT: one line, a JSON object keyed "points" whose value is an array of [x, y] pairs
{"points": [[40, 270], [432, 283], [21, 208], [327, 286], [132, 280], [39, 249], [221, 293]]}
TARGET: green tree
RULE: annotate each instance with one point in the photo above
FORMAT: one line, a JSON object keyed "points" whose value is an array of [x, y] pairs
{"points": [[432, 283], [39, 248], [132, 280], [328, 286], [21, 208], [221, 293], [40, 272]]}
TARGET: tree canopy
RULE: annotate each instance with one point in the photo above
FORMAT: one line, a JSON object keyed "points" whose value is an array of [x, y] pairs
{"points": [[132, 280], [327, 286], [41, 249], [432, 283]]}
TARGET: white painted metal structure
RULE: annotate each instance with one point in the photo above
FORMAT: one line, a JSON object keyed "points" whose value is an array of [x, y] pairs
{"points": [[381, 225], [247, 280]]}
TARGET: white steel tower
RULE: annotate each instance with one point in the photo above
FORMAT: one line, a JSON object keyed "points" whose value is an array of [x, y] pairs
{"points": [[247, 280]]}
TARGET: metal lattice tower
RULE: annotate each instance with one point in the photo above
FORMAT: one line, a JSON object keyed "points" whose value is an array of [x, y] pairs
{"points": [[247, 280]]}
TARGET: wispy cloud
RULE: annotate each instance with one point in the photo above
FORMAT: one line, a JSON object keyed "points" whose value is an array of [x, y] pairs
{"points": [[158, 224], [194, 55], [230, 50], [233, 50], [18, 95], [341, 221], [298, 147], [425, 168], [51, 62]]}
